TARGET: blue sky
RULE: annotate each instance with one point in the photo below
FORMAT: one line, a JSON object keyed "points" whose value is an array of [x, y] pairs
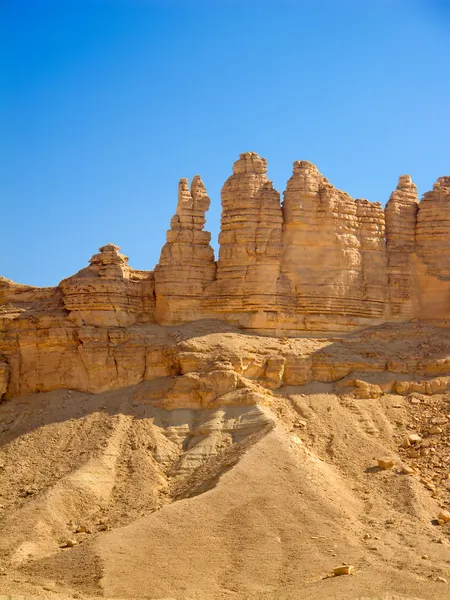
{"points": [[104, 105]]}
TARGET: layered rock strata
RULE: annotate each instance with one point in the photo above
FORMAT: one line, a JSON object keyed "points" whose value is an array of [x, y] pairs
{"points": [[250, 242], [187, 262], [321, 261], [401, 216], [433, 252], [333, 252], [109, 292]]}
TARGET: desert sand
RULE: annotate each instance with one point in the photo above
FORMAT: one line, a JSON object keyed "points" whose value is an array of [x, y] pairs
{"points": [[244, 489]]}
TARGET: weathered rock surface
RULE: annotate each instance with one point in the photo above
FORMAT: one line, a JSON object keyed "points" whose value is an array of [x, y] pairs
{"points": [[401, 216], [250, 244], [433, 252], [109, 292], [319, 262], [187, 260], [333, 254]]}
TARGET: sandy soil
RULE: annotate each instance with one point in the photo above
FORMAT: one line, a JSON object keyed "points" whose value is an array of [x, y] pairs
{"points": [[254, 501]]}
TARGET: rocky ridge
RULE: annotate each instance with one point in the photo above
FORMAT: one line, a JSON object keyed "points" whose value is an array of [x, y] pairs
{"points": [[291, 396]]}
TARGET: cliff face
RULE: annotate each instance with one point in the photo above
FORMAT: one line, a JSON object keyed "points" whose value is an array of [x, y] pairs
{"points": [[319, 261], [250, 243], [333, 253], [187, 261], [401, 216]]}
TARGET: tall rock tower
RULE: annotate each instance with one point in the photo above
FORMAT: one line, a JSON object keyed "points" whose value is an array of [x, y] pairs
{"points": [[187, 263], [401, 216], [250, 240]]}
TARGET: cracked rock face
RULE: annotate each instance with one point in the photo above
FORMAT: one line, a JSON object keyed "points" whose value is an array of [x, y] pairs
{"points": [[333, 251], [433, 252]]}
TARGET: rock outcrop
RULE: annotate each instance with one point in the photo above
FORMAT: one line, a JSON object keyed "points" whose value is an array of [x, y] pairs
{"points": [[333, 254], [319, 262], [433, 252], [401, 216], [109, 292], [250, 244], [187, 262]]}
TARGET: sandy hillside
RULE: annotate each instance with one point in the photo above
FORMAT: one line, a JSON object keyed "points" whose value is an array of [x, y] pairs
{"points": [[250, 495]]}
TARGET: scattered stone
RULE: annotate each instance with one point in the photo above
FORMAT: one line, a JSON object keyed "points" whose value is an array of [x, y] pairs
{"points": [[414, 438], [344, 570], [441, 580], [407, 470], [68, 543], [386, 463], [82, 529], [444, 515], [435, 430]]}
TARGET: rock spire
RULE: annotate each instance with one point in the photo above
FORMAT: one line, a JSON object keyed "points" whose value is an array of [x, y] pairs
{"points": [[187, 263], [401, 216]]}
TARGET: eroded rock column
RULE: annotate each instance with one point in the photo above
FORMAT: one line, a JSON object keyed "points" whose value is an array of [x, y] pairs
{"points": [[250, 241], [371, 227], [187, 263], [401, 215]]}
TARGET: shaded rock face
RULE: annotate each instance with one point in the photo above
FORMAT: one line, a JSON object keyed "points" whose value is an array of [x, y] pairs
{"points": [[319, 261]]}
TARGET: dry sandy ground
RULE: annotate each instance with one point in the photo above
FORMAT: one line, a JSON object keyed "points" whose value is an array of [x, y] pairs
{"points": [[238, 501]]}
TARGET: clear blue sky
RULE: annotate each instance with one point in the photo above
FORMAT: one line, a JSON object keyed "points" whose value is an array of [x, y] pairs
{"points": [[104, 105]]}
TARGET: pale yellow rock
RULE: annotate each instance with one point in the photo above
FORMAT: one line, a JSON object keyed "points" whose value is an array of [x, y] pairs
{"points": [[386, 463], [187, 263], [444, 515], [433, 251], [344, 570], [334, 256], [109, 292], [248, 270], [366, 390]]}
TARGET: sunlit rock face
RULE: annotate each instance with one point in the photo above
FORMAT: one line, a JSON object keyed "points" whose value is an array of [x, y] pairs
{"points": [[187, 260], [333, 252], [319, 261], [433, 252], [248, 269], [109, 292], [401, 217]]}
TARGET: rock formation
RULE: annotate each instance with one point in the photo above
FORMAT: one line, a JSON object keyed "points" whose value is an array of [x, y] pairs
{"points": [[109, 292], [433, 252], [333, 253], [401, 216], [320, 262], [250, 243], [187, 261]]}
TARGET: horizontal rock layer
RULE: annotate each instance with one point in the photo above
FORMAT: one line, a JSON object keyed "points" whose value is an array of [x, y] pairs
{"points": [[319, 261]]}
